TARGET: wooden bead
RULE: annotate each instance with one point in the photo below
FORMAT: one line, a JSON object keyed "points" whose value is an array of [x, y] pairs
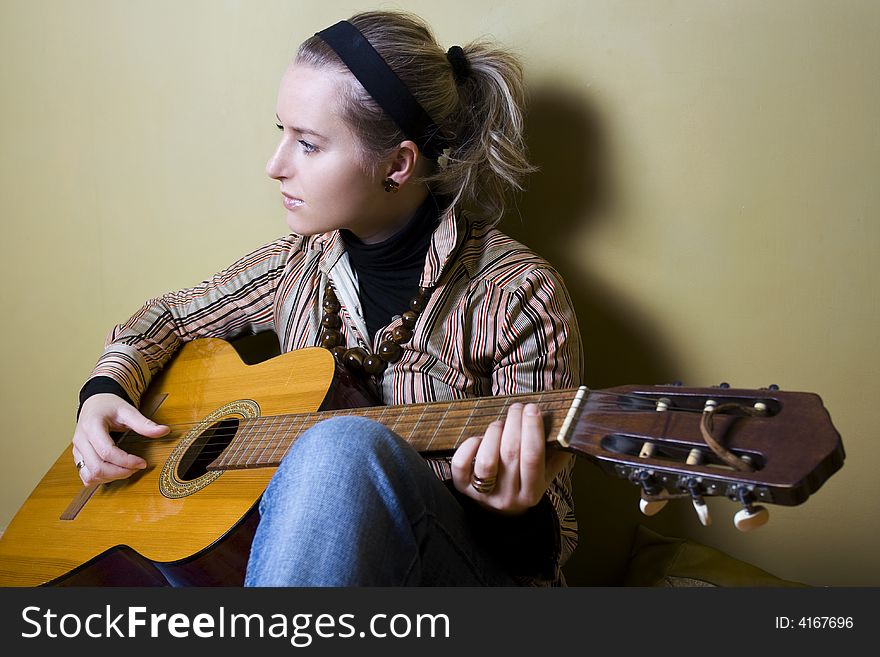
{"points": [[409, 319], [401, 334], [331, 321], [357, 358], [374, 365], [418, 304], [330, 338], [390, 352], [354, 358]]}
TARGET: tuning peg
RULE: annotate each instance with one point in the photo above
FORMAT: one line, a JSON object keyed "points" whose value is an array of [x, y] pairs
{"points": [[651, 507], [751, 517], [702, 510], [693, 487], [647, 506], [648, 447], [723, 385]]}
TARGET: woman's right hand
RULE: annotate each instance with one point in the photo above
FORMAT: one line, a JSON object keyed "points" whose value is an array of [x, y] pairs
{"points": [[101, 459]]}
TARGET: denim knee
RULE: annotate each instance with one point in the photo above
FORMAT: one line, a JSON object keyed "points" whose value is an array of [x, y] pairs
{"points": [[340, 445], [345, 434]]}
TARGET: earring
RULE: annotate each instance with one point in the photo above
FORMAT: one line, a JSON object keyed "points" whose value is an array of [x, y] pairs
{"points": [[390, 185]]}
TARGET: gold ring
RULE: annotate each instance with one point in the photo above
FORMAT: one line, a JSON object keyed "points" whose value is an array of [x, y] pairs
{"points": [[483, 485], [79, 465]]}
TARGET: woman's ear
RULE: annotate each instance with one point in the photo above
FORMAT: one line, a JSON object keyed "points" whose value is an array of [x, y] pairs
{"points": [[404, 162]]}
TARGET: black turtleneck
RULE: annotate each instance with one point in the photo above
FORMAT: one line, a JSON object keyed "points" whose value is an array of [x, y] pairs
{"points": [[388, 272]]}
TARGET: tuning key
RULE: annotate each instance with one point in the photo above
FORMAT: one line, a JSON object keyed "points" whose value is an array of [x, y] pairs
{"points": [[647, 506], [647, 450], [751, 517], [700, 505], [651, 507], [702, 510]]}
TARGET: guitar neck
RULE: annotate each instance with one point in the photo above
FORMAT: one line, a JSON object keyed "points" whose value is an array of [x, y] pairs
{"points": [[434, 427]]}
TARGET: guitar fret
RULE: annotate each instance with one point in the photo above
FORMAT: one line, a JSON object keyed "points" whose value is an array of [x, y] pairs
{"points": [[393, 425], [263, 442], [281, 440], [381, 418], [231, 458], [415, 430], [436, 429], [467, 422]]}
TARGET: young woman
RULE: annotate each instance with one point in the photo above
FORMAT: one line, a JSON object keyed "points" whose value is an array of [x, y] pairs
{"points": [[394, 161]]}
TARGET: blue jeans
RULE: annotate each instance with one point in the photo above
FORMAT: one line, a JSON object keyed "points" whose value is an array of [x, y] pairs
{"points": [[352, 504]]}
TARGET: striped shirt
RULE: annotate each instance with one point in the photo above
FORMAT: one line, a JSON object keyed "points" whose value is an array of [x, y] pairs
{"points": [[499, 322]]}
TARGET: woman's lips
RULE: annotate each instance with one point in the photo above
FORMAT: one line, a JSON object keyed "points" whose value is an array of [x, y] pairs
{"points": [[290, 202]]}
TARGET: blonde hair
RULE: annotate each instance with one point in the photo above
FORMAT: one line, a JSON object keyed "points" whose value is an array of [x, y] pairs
{"points": [[481, 117]]}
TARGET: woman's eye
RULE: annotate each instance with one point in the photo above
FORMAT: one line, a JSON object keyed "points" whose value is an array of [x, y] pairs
{"points": [[279, 126], [307, 147]]}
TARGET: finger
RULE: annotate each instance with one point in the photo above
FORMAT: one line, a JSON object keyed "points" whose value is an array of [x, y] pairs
{"points": [[92, 446], [128, 417], [116, 456], [486, 459], [463, 464], [96, 447], [510, 448], [532, 452], [104, 472]]}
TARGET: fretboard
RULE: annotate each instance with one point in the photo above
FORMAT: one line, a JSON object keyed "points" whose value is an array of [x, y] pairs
{"points": [[434, 427]]}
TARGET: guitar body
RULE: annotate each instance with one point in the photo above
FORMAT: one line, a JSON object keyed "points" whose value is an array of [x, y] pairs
{"points": [[131, 522]]}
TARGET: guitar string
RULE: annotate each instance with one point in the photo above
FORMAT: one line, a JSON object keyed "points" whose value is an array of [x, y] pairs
{"points": [[263, 436], [437, 408], [588, 426], [432, 408]]}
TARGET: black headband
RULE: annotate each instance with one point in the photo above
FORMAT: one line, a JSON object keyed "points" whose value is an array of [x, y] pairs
{"points": [[384, 86]]}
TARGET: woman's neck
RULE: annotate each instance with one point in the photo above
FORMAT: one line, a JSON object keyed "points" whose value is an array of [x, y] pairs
{"points": [[402, 207]]}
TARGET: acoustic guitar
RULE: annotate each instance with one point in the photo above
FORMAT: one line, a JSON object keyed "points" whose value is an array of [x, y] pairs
{"points": [[189, 517]]}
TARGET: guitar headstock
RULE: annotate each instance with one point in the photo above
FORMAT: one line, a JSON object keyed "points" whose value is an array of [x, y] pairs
{"points": [[781, 446]]}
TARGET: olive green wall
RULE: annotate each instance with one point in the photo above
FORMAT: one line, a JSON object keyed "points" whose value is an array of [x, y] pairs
{"points": [[708, 189]]}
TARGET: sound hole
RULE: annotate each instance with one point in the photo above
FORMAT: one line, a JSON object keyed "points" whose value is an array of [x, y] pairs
{"points": [[206, 448]]}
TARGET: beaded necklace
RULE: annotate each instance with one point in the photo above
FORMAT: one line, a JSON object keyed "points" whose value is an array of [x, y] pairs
{"points": [[357, 358]]}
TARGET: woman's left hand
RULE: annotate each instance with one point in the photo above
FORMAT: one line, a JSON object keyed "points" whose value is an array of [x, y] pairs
{"points": [[514, 453]]}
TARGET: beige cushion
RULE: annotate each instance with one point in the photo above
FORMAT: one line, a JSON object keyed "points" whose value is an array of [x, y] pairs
{"points": [[663, 561]]}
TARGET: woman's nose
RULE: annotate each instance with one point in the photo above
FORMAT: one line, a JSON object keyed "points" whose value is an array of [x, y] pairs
{"points": [[279, 163]]}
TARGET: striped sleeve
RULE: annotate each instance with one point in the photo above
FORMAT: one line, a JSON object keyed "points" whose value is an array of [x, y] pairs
{"points": [[540, 349], [236, 301]]}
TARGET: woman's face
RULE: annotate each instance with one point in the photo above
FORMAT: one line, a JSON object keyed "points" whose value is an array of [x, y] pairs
{"points": [[323, 185]]}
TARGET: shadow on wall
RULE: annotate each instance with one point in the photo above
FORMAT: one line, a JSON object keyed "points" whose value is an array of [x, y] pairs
{"points": [[568, 196]]}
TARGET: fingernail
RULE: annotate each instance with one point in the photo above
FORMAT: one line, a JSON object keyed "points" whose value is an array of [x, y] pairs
{"points": [[532, 409]]}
